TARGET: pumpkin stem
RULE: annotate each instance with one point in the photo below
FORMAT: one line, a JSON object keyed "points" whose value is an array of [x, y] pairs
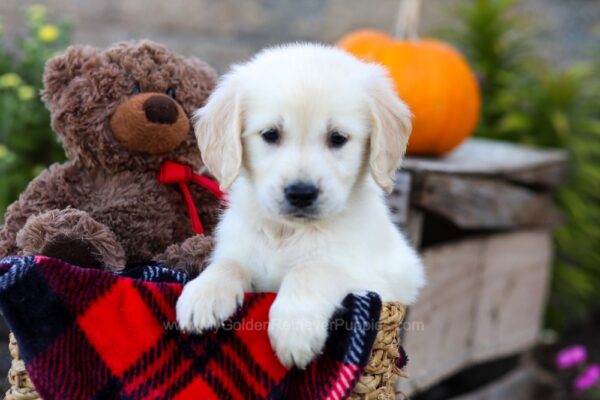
{"points": [[407, 21]]}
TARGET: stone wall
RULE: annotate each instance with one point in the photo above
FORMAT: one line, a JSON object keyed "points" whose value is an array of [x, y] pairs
{"points": [[226, 31]]}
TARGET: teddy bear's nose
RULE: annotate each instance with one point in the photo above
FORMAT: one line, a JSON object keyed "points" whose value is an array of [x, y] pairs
{"points": [[150, 123], [161, 110]]}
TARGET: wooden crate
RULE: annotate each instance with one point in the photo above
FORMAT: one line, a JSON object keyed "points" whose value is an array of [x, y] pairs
{"points": [[482, 217]]}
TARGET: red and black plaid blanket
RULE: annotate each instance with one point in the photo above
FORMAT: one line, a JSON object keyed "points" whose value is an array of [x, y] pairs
{"points": [[88, 334]]}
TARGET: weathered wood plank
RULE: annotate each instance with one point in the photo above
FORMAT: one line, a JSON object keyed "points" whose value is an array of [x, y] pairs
{"points": [[484, 299], [483, 203], [517, 385], [439, 326], [414, 227], [399, 200], [550, 176], [501, 159], [515, 275]]}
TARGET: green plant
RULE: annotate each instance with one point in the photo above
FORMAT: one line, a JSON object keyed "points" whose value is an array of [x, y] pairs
{"points": [[527, 101], [27, 143]]}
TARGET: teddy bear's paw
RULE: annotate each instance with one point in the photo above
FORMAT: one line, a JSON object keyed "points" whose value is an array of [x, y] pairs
{"points": [[207, 301], [74, 251], [72, 236], [189, 256], [297, 332]]}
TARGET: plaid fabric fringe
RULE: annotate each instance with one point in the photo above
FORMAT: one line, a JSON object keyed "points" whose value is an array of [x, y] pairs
{"points": [[89, 334]]}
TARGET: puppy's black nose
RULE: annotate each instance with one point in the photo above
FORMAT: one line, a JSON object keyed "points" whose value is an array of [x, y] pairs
{"points": [[301, 194]]}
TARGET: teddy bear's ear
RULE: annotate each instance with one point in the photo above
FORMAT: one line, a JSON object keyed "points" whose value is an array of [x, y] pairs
{"points": [[63, 68], [208, 71]]}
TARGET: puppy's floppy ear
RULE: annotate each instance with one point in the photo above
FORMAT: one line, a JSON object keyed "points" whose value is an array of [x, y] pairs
{"points": [[218, 127], [391, 127]]}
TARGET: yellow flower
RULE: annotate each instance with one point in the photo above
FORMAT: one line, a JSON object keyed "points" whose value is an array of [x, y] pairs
{"points": [[3, 151], [36, 13], [48, 33], [25, 92], [9, 80]]}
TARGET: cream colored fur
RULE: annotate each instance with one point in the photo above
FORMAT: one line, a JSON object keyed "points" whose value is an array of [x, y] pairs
{"points": [[348, 244]]}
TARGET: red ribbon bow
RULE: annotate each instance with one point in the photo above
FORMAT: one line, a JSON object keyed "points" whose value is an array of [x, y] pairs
{"points": [[172, 172]]}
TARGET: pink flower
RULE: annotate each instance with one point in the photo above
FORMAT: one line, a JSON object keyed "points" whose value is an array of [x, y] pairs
{"points": [[571, 356], [588, 378]]}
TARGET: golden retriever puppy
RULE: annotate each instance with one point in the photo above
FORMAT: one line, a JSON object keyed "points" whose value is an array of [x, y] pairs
{"points": [[305, 137]]}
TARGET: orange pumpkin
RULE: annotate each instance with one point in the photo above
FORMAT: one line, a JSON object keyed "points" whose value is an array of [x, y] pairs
{"points": [[433, 78]]}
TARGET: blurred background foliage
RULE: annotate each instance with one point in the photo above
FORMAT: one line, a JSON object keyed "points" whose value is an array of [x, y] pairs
{"points": [[27, 144], [526, 100]]}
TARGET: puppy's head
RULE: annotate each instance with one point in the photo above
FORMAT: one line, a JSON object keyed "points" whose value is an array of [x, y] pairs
{"points": [[303, 124]]}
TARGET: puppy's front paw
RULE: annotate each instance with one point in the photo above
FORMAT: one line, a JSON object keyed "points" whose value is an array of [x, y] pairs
{"points": [[207, 301], [297, 332]]}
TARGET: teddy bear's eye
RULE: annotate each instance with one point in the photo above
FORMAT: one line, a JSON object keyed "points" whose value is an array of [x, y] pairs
{"points": [[136, 89], [171, 92]]}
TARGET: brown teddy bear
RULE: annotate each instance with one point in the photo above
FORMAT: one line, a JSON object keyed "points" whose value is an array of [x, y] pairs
{"points": [[120, 113]]}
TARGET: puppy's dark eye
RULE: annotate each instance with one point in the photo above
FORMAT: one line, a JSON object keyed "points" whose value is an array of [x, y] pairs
{"points": [[135, 89], [336, 140], [171, 92], [271, 135]]}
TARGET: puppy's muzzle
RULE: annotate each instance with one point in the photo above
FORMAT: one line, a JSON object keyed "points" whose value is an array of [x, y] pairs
{"points": [[301, 195]]}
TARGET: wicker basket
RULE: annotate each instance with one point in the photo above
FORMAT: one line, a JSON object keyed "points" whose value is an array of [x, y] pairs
{"points": [[381, 373], [21, 387]]}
